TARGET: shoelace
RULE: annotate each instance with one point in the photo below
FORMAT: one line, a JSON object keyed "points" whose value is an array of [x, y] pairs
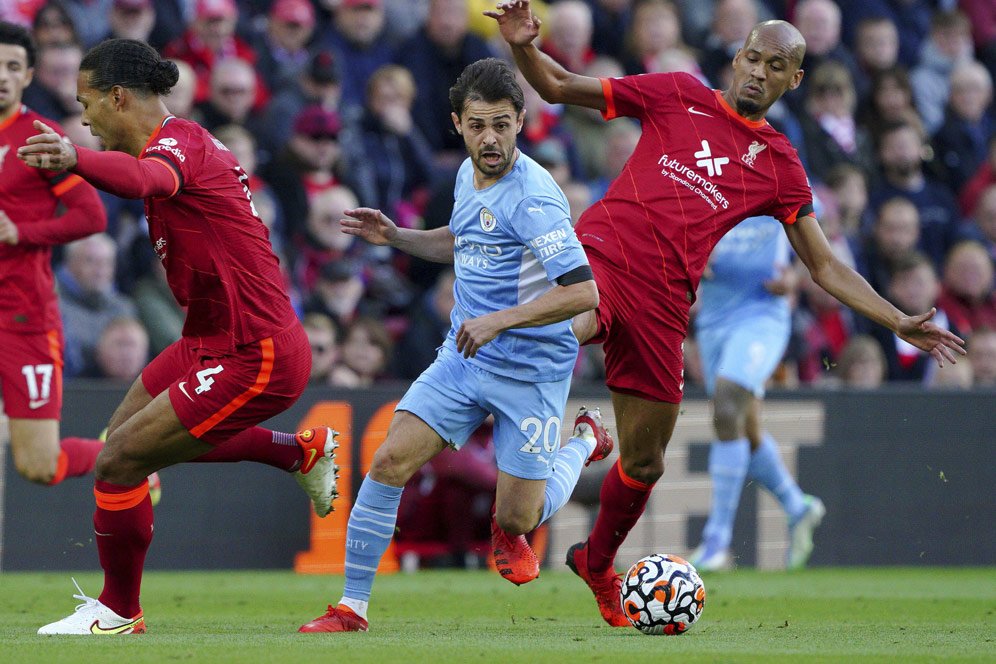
{"points": [[87, 601]]}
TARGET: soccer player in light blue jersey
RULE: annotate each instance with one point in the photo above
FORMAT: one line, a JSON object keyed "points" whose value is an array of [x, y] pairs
{"points": [[521, 275], [742, 329]]}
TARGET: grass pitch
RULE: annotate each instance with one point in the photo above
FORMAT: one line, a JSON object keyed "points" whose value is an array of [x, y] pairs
{"points": [[868, 615]]}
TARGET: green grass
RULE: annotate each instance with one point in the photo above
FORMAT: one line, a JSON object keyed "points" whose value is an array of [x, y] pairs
{"points": [[876, 615]]}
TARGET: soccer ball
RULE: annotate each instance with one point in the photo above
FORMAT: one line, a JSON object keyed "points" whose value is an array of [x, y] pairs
{"points": [[662, 594]]}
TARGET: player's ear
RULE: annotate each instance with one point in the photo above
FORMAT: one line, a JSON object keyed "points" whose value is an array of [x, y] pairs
{"points": [[456, 122], [116, 94], [28, 76], [520, 121], [796, 79]]}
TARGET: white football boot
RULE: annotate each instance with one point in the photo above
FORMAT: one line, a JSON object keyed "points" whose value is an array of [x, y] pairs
{"points": [[318, 474], [801, 533], [92, 617]]}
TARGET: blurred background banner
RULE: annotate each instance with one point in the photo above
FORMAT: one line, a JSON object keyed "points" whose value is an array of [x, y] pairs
{"points": [[907, 477]]}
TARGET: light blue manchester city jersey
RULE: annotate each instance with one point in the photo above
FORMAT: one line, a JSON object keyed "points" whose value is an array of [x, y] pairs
{"points": [[513, 239], [750, 254]]}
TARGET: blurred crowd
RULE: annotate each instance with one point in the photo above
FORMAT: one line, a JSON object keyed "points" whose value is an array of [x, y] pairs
{"points": [[331, 104]]}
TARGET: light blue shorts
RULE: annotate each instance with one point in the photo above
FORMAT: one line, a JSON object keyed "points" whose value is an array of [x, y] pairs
{"points": [[745, 353], [454, 397]]}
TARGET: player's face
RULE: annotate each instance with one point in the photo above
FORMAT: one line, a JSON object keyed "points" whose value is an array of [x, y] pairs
{"points": [[489, 131], [98, 113], [15, 75], [763, 70]]}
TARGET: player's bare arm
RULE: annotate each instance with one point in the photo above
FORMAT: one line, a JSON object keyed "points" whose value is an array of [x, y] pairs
{"points": [[375, 227], [520, 27], [555, 305], [8, 230], [850, 288]]}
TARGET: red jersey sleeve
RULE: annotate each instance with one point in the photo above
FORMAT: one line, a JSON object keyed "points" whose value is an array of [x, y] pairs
{"points": [[636, 96], [179, 148], [794, 198]]}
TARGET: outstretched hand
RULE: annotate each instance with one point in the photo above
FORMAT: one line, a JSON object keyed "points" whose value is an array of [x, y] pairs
{"points": [[516, 22], [47, 150], [370, 225], [940, 343]]}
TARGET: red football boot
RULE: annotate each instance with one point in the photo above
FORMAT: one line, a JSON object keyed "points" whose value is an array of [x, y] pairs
{"points": [[339, 618], [514, 558], [589, 422], [605, 586]]}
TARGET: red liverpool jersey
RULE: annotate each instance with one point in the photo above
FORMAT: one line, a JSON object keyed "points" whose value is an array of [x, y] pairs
{"points": [[216, 251], [698, 170], [29, 196]]}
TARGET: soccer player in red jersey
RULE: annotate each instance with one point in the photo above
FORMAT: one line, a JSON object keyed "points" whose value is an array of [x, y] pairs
{"points": [[243, 356], [706, 160], [30, 326]]}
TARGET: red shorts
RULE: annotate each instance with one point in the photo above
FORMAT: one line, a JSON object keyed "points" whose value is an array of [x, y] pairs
{"points": [[31, 374], [217, 396], [642, 331]]}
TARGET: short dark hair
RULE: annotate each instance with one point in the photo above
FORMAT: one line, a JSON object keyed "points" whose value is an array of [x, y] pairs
{"points": [[489, 80], [131, 64], [16, 35]]}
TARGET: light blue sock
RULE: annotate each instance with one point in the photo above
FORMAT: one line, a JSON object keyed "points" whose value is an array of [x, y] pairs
{"points": [[767, 468], [566, 471], [727, 467], [370, 529]]}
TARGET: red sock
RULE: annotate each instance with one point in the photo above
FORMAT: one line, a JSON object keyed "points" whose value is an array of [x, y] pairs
{"points": [[622, 501], [273, 448], [76, 458], [122, 525]]}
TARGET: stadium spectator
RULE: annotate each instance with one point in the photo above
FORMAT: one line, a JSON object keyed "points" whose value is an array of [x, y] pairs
{"points": [[819, 21], [317, 85], [181, 98], [91, 18], [982, 356], [962, 142], [829, 130], [569, 34], [122, 351], [323, 241], [52, 92], [435, 55], [158, 310], [231, 96], [610, 22], [551, 155], [311, 162], [323, 336], [544, 125], [950, 43], [849, 186], [364, 355], [983, 178], [429, 321], [620, 141], [131, 19], [961, 378], [894, 234], [171, 21], [968, 293], [876, 49], [212, 38], [732, 21], [338, 292], [901, 153], [914, 285], [88, 298], [911, 17], [889, 101], [982, 15], [52, 24], [357, 39], [391, 160], [822, 327], [586, 125], [861, 364], [983, 226], [282, 48], [578, 197], [654, 30]]}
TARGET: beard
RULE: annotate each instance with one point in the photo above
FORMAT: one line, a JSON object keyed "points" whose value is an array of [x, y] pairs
{"points": [[495, 169], [747, 107]]}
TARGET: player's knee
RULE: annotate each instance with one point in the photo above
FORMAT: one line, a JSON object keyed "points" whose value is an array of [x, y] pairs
{"points": [[729, 417], [646, 470], [116, 466], [390, 468]]}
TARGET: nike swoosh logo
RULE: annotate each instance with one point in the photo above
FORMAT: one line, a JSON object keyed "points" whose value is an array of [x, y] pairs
{"points": [[95, 628], [184, 390], [312, 452], [34, 404], [691, 109]]}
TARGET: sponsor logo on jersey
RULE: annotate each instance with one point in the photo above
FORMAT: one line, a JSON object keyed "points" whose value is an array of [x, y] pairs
{"points": [[488, 220], [753, 150], [681, 173], [475, 254], [167, 147], [160, 248], [713, 165], [691, 109], [35, 404], [549, 244], [3, 154]]}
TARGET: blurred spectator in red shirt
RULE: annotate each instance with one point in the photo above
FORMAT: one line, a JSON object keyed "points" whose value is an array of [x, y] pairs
{"points": [[282, 48], [967, 293], [569, 33], [982, 355]]}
